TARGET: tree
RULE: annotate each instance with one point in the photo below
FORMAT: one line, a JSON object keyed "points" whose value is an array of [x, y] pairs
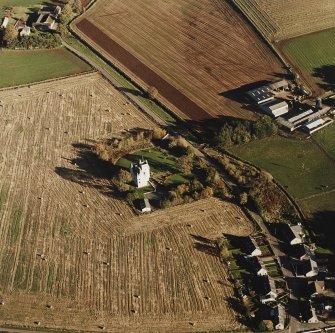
{"points": [[62, 29], [10, 35], [77, 6], [67, 14], [152, 92], [243, 198]]}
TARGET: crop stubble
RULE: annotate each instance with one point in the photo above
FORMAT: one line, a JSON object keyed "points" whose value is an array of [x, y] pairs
{"points": [[204, 49], [55, 206]]}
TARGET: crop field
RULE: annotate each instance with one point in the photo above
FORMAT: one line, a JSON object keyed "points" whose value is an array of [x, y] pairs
{"points": [[284, 19], [77, 257], [196, 53], [28, 66]]}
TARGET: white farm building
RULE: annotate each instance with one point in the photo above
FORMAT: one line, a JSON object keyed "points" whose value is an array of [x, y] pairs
{"points": [[4, 22], [140, 173], [275, 108]]}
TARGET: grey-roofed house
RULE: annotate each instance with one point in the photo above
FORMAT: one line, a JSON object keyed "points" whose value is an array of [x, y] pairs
{"points": [[252, 248], [302, 252], [279, 317], [294, 234], [258, 266], [306, 268], [308, 313], [47, 17], [267, 289], [316, 288]]}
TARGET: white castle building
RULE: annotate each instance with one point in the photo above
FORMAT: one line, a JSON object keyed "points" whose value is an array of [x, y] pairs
{"points": [[140, 173]]}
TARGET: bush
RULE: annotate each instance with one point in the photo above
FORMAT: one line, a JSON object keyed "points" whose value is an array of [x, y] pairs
{"points": [[38, 40]]}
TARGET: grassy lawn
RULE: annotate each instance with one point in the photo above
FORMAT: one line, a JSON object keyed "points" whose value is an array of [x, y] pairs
{"points": [[314, 54], [158, 160], [28, 66], [301, 166], [177, 179]]}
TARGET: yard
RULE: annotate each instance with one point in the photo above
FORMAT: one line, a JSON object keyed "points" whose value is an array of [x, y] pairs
{"points": [[29, 66]]}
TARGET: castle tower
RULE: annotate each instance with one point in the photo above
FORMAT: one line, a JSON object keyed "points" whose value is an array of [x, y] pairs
{"points": [[140, 173]]}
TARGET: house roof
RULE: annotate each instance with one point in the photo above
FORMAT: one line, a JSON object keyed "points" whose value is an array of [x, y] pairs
{"points": [[310, 265], [293, 231], [137, 168], [145, 203], [251, 245], [274, 105], [316, 287], [279, 315], [300, 250], [260, 94]]}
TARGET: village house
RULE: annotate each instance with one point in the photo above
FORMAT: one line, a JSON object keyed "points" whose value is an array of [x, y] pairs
{"points": [[294, 234], [267, 289], [279, 318], [25, 31], [252, 248], [140, 173], [306, 268], [258, 266], [308, 313], [316, 288], [302, 252]]}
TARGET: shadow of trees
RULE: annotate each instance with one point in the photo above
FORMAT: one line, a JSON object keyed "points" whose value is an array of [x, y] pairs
{"points": [[89, 170], [327, 75], [206, 245]]}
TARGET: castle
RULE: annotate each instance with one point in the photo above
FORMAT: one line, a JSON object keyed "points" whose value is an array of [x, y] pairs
{"points": [[140, 173]]}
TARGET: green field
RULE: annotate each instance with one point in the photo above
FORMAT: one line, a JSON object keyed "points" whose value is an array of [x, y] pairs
{"points": [[326, 139], [22, 67], [314, 54], [301, 166], [21, 3]]}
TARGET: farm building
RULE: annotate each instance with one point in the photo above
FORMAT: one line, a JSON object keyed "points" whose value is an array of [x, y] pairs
{"points": [[145, 206], [252, 248], [261, 95], [4, 22], [274, 108], [279, 317], [140, 173], [25, 31], [308, 314], [294, 234], [47, 17], [279, 85], [316, 124], [267, 289]]}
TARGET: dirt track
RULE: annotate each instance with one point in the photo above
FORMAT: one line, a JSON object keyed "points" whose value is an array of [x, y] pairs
{"points": [[173, 95]]}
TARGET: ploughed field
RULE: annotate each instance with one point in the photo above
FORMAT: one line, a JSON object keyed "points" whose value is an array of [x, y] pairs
{"points": [[74, 256], [283, 19], [194, 52]]}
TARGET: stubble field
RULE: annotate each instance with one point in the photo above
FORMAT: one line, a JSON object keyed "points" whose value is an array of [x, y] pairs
{"points": [[74, 256], [195, 52]]}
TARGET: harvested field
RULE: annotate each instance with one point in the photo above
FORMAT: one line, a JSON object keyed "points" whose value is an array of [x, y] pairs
{"points": [[283, 19], [77, 257], [196, 53]]}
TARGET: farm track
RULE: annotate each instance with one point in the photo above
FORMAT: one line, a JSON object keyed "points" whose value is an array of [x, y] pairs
{"points": [[66, 242], [204, 49]]}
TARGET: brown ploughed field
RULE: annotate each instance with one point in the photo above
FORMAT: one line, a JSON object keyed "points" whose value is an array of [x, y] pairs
{"points": [[196, 53], [74, 256]]}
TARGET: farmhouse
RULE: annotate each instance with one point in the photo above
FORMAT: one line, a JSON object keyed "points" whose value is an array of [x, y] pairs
{"points": [[267, 289], [47, 17], [274, 108], [4, 22], [252, 248], [140, 173], [261, 95], [294, 234]]}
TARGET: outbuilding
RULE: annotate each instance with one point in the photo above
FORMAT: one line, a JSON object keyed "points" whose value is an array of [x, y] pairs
{"points": [[145, 206], [275, 108], [5, 22]]}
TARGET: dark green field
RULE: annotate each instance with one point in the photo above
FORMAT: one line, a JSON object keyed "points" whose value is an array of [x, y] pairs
{"points": [[314, 56], [21, 3], [22, 67]]}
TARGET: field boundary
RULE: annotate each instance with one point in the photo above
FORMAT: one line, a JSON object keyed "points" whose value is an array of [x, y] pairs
{"points": [[49, 80]]}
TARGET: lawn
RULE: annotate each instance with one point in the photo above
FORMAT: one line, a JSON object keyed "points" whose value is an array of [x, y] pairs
{"points": [[315, 55], [158, 160], [301, 166], [28, 66]]}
